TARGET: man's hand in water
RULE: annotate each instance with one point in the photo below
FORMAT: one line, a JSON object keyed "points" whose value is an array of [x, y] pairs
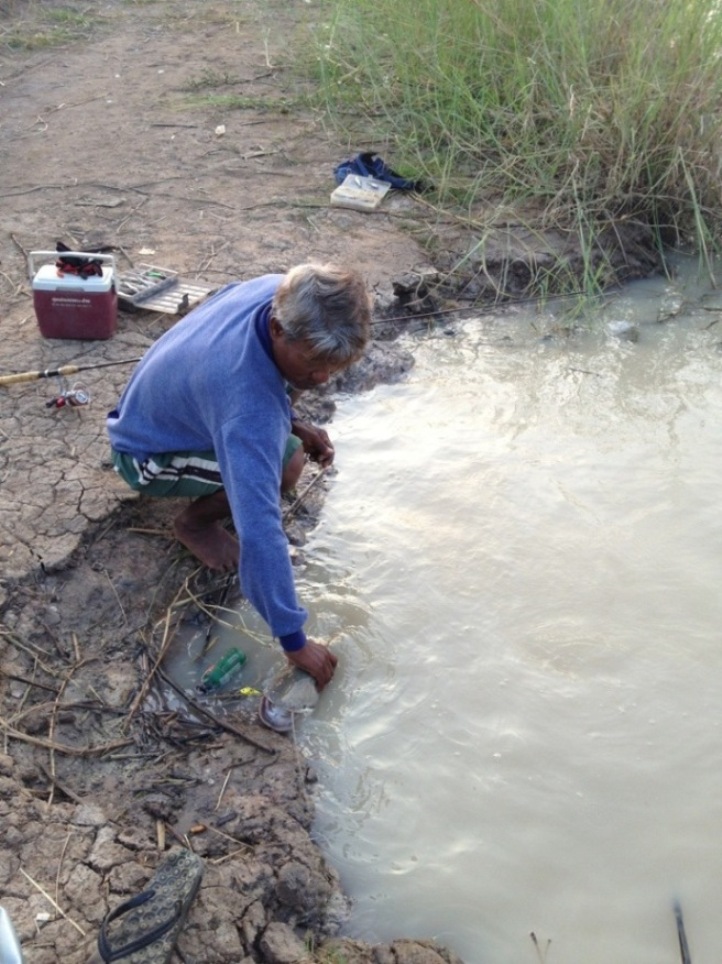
{"points": [[316, 443], [317, 660]]}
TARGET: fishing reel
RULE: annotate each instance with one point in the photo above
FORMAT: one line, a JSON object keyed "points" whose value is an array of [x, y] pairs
{"points": [[74, 397]]}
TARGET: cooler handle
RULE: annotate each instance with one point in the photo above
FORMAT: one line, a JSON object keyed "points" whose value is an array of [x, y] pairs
{"points": [[55, 255]]}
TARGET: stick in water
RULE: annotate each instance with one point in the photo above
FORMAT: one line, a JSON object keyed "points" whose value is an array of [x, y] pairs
{"points": [[683, 946]]}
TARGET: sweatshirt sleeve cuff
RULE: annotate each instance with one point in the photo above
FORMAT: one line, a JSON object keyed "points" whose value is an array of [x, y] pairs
{"points": [[293, 641]]}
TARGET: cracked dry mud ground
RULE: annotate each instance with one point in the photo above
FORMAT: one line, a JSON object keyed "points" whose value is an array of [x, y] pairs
{"points": [[110, 139]]}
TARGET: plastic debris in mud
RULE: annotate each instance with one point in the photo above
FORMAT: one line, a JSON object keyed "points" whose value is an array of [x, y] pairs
{"points": [[227, 667]]}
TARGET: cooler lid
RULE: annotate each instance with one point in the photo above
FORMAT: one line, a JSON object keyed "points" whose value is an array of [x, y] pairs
{"points": [[47, 278]]}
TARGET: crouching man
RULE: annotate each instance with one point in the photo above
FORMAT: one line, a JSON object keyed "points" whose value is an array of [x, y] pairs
{"points": [[207, 415]]}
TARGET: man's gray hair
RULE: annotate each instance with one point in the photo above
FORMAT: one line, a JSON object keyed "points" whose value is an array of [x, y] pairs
{"points": [[326, 306]]}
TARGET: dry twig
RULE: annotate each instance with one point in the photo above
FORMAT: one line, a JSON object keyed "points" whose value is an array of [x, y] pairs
{"points": [[227, 836], [79, 751], [57, 907], [70, 794], [167, 636], [51, 729], [223, 789]]}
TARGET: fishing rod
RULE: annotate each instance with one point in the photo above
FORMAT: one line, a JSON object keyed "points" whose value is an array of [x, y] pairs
{"points": [[60, 372], [481, 309]]}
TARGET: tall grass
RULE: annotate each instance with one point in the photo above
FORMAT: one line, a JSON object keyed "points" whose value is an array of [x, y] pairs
{"points": [[591, 112]]}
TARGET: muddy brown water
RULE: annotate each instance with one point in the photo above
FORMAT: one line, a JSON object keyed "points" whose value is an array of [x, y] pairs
{"points": [[519, 559]]}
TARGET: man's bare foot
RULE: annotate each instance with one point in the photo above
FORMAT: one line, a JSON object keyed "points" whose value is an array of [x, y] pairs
{"points": [[210, 542]]}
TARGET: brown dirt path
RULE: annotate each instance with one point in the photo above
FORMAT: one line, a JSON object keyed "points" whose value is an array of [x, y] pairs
{"points": [[112, 141]]}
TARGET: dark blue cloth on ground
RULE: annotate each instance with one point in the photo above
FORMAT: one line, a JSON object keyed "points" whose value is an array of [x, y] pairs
{"points": [[369, 164]]}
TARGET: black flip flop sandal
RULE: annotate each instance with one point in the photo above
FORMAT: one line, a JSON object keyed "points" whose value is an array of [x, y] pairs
{"points": [[144, 929]]}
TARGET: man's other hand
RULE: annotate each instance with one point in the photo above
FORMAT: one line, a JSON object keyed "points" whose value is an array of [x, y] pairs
{"points": [[316, 443], [317, 660]]}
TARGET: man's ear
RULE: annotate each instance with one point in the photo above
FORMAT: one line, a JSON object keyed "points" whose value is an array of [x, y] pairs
{"points": [[275, 328]]}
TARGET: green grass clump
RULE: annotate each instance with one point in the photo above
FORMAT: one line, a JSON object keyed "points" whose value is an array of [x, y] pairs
{"points": [[210, 79], [36, 26], [590, 113]]}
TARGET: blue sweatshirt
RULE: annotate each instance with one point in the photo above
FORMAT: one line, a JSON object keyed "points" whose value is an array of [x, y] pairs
{"points": [[210, 382]]}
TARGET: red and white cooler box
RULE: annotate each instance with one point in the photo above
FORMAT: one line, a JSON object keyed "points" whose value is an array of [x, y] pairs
{"points": [[70, 306]]}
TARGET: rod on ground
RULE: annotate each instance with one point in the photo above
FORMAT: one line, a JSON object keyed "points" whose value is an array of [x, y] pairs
{"points": [[683, 946], [64, 370]]}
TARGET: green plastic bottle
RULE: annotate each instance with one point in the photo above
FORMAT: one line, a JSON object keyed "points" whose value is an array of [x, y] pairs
{"points": [[227, 666]]}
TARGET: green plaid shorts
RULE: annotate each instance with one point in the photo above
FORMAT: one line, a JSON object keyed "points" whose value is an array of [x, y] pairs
{"points": [[179, 474]]}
